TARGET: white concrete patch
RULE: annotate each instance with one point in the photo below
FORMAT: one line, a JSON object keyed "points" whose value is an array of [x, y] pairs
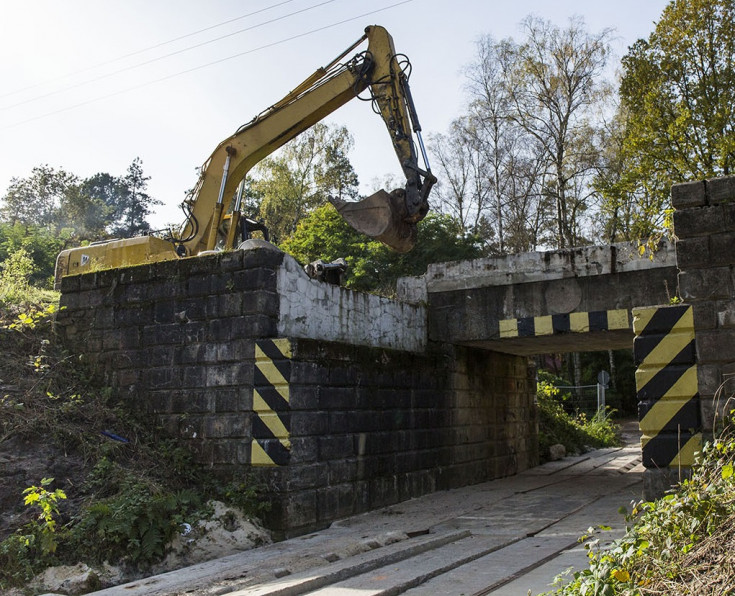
{"points": [[316, 310], [226, 532]]}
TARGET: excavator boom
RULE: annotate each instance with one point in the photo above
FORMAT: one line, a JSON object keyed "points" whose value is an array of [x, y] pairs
{"points": [[388, 217]]}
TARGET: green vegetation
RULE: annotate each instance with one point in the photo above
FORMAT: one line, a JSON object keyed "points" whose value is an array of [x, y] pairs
{"points": [[530, 164], [680, 544], [373, 267], [60, 203], [575, 431], [128, 490], [16, 288], [676, 116], [287, 186]]}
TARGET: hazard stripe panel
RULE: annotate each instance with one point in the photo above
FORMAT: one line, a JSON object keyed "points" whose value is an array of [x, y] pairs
{"points": [[666, 384], [576, 322], [271, 443]]}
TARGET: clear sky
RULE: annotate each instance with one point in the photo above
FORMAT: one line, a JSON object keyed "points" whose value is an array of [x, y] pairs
{"points": [[88, 85]]}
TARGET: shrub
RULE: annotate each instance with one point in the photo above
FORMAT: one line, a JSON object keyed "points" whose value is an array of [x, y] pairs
{"points": [[15, 287], [32, 547], [128, 495], [576, 432], [134, 525], [679, 544]]}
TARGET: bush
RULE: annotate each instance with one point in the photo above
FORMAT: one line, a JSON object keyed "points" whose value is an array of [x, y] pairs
{"points": [[576, 432], [128, 495], [132, 526], [15, 286], [32, 547], [680, 544]]}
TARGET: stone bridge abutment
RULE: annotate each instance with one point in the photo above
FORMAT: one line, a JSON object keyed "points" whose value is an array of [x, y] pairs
{"points": [[334, 400], [341, 402]]}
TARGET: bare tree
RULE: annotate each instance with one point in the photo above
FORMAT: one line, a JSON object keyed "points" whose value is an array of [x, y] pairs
{"points": [[518, 167], [463, 191], [554, 81], [490, 112], [513, 158]]}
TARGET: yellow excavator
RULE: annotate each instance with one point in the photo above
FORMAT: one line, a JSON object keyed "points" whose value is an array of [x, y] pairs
{"points": [[210, 225]]}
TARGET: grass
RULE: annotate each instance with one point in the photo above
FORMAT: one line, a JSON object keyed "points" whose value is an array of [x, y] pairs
{"points": [[121, 500]]}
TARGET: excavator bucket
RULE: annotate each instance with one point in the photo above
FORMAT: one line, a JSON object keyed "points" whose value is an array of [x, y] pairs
{"points": [[381, 216]]}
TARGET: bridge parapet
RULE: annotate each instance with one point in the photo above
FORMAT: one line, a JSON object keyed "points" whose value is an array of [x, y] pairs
{"points": [[533, 267], [534, 303]]}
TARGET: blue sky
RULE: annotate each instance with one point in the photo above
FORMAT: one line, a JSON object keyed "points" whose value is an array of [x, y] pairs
{"points": [[82, 90]]}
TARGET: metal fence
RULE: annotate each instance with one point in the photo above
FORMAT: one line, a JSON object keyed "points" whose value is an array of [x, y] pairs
{"points": [[587, 399]]}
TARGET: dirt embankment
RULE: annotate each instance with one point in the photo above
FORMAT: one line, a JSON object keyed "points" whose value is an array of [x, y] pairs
{"points": [[57, 421]]}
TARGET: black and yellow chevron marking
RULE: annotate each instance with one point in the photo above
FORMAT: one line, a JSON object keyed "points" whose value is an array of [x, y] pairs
{"points": [[575, 322], [271, 403], [666, 381]]}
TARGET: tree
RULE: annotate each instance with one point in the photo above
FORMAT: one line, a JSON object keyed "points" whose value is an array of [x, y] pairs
{"points": [[302, 175], [520, 162], [515, 161], [84, 213], [492, 126], [92, 208], [108, 193], [463, 190], [39, 199], [132, 204], [629, 210], [554, 81], [373, 267], [677, 105]]}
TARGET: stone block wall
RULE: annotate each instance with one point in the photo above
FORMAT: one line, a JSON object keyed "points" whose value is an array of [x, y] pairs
{"points": [[345, 428], [371, 427], [177, 339], [704, 223]]}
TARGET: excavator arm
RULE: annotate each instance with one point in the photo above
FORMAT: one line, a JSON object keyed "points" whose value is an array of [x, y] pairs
{"points": [[388, 217]]}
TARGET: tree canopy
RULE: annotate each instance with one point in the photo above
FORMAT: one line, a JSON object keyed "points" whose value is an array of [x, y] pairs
{"points": [[373, 267], [52, 209], [677, 108], [517, 167], [91, 209], [290, 184]]}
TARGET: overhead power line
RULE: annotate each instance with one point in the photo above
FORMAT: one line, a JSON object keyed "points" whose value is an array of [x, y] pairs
{"points": [[152, 60], [207, 65], [144, 50]]}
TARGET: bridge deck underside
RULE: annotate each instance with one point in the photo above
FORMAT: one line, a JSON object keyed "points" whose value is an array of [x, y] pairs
{"points": [[559, 343]]}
